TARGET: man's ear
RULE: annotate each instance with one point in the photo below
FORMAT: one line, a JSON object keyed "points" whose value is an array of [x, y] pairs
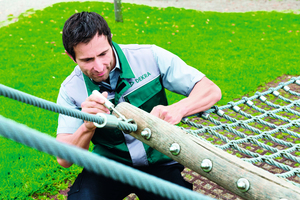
{"points": [[70, 56]]}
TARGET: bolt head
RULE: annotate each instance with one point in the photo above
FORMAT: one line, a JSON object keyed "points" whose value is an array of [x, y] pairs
{"points": [[175, 149], [243, 185], [146, 133], [206, 165]]}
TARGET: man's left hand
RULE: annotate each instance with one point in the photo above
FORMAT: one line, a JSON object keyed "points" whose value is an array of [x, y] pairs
{"points": [[170, 114]]}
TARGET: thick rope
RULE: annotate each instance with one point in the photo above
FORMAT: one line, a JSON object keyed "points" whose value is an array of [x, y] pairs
{"points": [[95, 163], [48, 105]]}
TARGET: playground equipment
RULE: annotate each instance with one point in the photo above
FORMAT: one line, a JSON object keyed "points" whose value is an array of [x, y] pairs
{"points": [[189, 147]]}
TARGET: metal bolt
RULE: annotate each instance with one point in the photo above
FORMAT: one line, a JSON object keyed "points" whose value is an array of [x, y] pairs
{"points": [[276, 93], [175, 149], [243, 185], [206, 165], [146, 133]]}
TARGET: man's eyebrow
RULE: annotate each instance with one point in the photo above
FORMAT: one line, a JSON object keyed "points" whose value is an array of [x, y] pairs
{"points": [[103, 52], [88, 58]]}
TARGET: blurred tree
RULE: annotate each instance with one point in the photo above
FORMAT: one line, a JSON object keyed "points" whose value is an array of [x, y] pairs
{"points": [[118, 11]]}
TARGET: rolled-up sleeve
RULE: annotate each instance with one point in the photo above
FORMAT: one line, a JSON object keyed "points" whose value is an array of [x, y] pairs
{"points": [[67, 124], [177, 76]]}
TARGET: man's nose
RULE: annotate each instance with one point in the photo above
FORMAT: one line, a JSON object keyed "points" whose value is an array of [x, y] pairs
{"points": [[98, 65]]}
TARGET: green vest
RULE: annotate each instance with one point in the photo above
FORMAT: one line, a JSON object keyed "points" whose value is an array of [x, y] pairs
{"points": [[146, 95]]}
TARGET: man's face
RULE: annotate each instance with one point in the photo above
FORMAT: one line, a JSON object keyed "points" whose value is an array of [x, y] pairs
{"points": [[96, 58]]}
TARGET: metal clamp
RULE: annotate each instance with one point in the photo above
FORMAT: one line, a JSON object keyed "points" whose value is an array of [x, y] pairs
{"points": [[103, 116], [109, 121]]}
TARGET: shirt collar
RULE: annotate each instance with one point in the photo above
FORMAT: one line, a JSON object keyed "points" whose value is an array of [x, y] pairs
{"points": [[126, 71]]}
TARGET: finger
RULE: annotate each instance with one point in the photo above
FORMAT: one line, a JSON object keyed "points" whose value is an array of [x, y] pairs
{"points": [[105, 94], [155, 111], [92, 107]]}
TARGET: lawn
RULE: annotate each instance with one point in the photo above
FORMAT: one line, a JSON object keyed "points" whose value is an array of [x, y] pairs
{"points": [[238, 51]]}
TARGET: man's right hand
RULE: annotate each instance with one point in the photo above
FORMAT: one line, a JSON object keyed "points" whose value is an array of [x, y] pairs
{"points": [[93, 105]]}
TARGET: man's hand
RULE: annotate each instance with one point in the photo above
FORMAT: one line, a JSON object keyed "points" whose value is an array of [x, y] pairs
{"points": [[93, 105], [172, 114]]}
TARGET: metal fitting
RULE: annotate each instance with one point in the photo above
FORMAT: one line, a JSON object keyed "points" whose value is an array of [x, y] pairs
{"points": [[236, 108], [175, 149], [249, 103], [129, 121], [243, 185], [103, 116], [146, 133], [206, 165], [276, 93], [220, 113], [184, 119], [205, 115], [286, 88], [263, 98]]}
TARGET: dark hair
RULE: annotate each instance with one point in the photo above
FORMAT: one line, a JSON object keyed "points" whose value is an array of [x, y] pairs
{"points": [[82, 27]]}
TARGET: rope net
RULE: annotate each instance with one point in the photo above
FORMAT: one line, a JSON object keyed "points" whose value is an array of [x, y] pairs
{"points": [[262, 129]]}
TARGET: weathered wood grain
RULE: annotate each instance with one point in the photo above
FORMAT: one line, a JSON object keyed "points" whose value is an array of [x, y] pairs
{"points": [[227, 169]]}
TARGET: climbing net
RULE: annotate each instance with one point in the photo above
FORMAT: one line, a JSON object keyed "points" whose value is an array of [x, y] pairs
{"points": [[263, 129]]}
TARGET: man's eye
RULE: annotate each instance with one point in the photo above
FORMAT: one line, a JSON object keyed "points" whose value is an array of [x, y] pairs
{"points": [[87, 60]]}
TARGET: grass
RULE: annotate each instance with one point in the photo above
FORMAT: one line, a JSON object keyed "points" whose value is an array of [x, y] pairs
{"points": [[238, 51]]}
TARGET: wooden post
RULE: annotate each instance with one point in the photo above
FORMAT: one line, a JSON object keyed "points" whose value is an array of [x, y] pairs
{"points": [[226, 168]]}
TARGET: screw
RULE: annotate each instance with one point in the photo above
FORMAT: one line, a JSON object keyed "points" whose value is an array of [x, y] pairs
{"points": [[243, 185], [206, 165], [175, 149], [146, 133]]}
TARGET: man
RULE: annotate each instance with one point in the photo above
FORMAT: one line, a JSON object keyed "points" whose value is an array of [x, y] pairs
{"points": [[137, 74]]}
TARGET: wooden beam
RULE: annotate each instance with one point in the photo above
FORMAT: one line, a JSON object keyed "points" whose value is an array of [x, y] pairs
{"points": [[226, 168]]}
